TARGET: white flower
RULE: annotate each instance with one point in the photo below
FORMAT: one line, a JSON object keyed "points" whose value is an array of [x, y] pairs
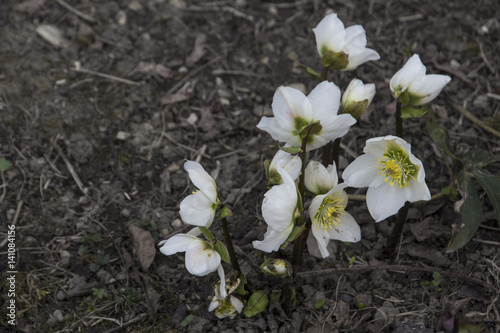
{"points": [[319, 179], [201, 258], [278, 210], [392, 174], [418, 87], [357, 97], [199, 208], [331, 221], [293, 111], [292, 164], [225, 304], [348, 46]]}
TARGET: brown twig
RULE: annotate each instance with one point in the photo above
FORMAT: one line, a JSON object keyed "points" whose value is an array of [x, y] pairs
{"points": [[476, 121], [70, 168], [77, 12], [105, 76]]}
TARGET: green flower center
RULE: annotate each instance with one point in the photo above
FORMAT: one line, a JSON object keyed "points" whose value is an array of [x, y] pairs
{"points": [[396, 167], [329, 212]]}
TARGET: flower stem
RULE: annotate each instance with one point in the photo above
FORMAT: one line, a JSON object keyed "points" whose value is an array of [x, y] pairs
{"points": [[230, 248], [399, 120], [397, 230]]}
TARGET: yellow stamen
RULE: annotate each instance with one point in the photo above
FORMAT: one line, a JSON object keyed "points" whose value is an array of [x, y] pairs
{"points": [[397, 168], [329, 212]]}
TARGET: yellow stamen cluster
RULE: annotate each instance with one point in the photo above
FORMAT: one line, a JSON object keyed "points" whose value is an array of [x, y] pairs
{"points": [[397, 168], [329, 212]]}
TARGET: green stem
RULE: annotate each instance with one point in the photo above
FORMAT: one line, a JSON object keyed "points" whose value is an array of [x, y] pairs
{"points": [[399, 120], [230, 248], [324, 74]]}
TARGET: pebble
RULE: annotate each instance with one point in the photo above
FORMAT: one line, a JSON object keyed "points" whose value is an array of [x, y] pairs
{"points": [[60, 295], [176, 224]]}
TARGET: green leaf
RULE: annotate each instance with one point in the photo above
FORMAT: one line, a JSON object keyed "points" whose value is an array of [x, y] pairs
{"points": [[296, 232], [480, 158], [438, 134], [319, 303], [409, 112], [491, 185], [257, 303], [222, 251], [4, 164], [207, 233], [471, 213], [225, 212], [187, 320], [241, 287]]}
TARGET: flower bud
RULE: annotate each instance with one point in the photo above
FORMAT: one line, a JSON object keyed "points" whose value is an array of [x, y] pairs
{"points": [[277, 267], [357, 97]]}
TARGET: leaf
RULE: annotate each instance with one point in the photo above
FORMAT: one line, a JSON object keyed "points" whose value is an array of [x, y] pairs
{"points": [[491, 185], [311, 72], [225, 212], [222, 251], [187, 320], [471, 212], [409, 112], [310, 129], [291, 150], [438, 134], [144, 245], [480, 157], [206, 233], [319, 303], [5, 165], [257, 303]]}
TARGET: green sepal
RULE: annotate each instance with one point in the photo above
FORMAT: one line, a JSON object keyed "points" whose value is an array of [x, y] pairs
{"points": [[256, 304], [225, 212], [208, 235], [222, 251], [5, 165], [471, 212], [311, 72], [410, 112], [300, 205], [491, 185], [291, 150], [296, 232], [335, 60], [355, 109], [310, 129]]}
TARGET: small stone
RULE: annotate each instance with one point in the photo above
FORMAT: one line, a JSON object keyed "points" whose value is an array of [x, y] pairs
{"points": [[121, 17], [362, 301], [125, 212], [58, 315], [292, 56], [121, 135], [135, 6], [299, 86], [60, 295], [176, 224], [65, 257], [173, 167]]}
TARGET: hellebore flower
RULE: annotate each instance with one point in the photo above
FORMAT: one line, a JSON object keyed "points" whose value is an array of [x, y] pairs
{"points": [[201, 258], [319, 179], [412, 86], [392, 174], [331, 221], [290, 163], [199, 208], [340, 48], [293, 111], [278, 210], [225, 304], [357, 97]]}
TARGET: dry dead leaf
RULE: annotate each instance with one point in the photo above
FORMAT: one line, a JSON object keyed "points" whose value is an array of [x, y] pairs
{"points": [[29, 7], [51, 34], [149, 68], [174, 98], [198, 50], [144, 245]]}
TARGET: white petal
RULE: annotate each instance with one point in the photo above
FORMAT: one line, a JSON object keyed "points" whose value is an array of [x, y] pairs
{"points": [[238, 305], [318, 179], [197, 209], [273, 239], [213, 304], [363, 172], [355, 39], [428, 87], [176, 243], [348, 230], [201, 179], [201, 259], [412, 71], [222, 277], [418, 191], [290, 104], [290, 163], [322, 238], [384, 201], [336, 126], [278, 133], [325, 101], [330, 33], [280, 203], [360, 57]]}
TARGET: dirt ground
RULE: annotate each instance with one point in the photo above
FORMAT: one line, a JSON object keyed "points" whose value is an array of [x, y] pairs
{"points": [[102, 101]]}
